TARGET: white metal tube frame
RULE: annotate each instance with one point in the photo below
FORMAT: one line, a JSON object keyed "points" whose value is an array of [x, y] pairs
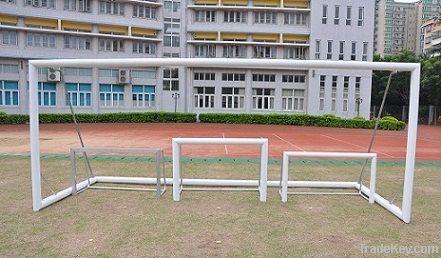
{"points": [[177, 175], [159, 169], [275, 64], [283, 191]]}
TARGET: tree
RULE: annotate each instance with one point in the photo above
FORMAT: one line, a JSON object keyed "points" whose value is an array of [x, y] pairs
{"points": [[431, 81]]}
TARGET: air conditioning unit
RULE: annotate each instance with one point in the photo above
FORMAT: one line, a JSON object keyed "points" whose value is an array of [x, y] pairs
{"points": [[53, 75], [124, 76]]}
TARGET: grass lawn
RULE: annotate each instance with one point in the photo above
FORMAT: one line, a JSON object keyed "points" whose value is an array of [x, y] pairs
{"points": [[210, 224]]}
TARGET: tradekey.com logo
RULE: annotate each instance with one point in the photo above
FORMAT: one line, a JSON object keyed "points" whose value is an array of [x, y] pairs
{"points": [[399, 249]]}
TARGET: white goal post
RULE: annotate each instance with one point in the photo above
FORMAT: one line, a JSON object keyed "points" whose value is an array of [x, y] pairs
{"points": [[413, 68]]}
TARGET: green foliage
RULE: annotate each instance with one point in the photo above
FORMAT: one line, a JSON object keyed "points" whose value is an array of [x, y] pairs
{"points": [[302, 120], [430, 93], [147, 117]]}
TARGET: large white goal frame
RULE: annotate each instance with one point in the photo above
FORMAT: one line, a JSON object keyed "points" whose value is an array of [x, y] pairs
{"points": [[413, 68]]}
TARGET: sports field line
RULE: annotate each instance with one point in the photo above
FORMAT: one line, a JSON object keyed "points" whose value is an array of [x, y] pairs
{"points": [[290, 143], [225, 146], [356, 145]]}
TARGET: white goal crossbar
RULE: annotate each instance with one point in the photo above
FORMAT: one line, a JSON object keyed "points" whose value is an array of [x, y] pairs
{"points": [[274, 64]]}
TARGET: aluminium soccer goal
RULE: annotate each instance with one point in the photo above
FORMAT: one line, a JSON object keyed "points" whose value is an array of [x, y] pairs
{"points": [[403, 212]]}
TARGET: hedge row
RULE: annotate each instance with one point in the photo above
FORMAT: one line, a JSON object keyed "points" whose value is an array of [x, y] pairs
{"points": [[147, 117], [386, 123]]}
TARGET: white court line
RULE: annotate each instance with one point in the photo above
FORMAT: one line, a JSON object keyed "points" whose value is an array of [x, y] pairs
{"points": [[356, 145], [283, 140], [225, 146]]}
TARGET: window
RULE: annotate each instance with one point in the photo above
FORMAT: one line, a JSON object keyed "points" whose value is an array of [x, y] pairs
{"points": [[293, 78], [77, 71], [205, 50], [360, 16], [294, 53], [337, 15], [40, 40], [108, 73], [140, 47], [233, 77], [234, 51], [9, 94], [170, 79], [341, 52], [205, 16], [171, 32], [8, 37], [264, 52], [112, 7], [172, 6], [235, 16], [265, 17], [353, 50], [317, 49], [112, 45], [365, 51], [334, 93], [293, 99], [263, 99], [8, 68], [325, 14], [322, 92], [50, 4], [145, 12], [143, 96], [76, 42], [346, 93], [348, 15], [357, 93], [143, 74], [111, 95], [329, 54], [77, 5], [264, 77], [79, 94], [233, 98], [168, 54], [204, 97], [47, 94], [295, 18], [204, 76]]}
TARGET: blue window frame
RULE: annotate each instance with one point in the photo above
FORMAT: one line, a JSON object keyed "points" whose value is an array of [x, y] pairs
{"points": [[79, 94], [47, 94], [9, 94], [143, 95], [111, 95]]}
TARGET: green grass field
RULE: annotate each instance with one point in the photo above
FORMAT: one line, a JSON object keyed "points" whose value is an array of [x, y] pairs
{"points": [[106, 223]]}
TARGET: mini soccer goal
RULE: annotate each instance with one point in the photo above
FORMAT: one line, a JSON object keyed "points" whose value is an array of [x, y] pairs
{"points": [[124, 160], [403, 211]]}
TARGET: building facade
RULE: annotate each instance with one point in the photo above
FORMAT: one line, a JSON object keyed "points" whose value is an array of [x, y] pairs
{"points": [[432, 37], [397, 27], [285, 29]]}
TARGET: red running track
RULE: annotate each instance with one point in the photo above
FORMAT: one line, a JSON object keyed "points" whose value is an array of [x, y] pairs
{"points": [[59, 138]]}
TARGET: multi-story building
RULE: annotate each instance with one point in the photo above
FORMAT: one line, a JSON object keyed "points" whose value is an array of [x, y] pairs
{"points": [[432, 37], [287, 29], [397, 27], [431, 9]]}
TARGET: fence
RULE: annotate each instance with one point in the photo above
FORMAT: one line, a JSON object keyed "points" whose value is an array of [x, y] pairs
{"points": [[430, 115]]}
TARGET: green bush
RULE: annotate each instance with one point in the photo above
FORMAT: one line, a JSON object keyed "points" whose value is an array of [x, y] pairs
{"points": [[328, 120], [146, 117]]}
